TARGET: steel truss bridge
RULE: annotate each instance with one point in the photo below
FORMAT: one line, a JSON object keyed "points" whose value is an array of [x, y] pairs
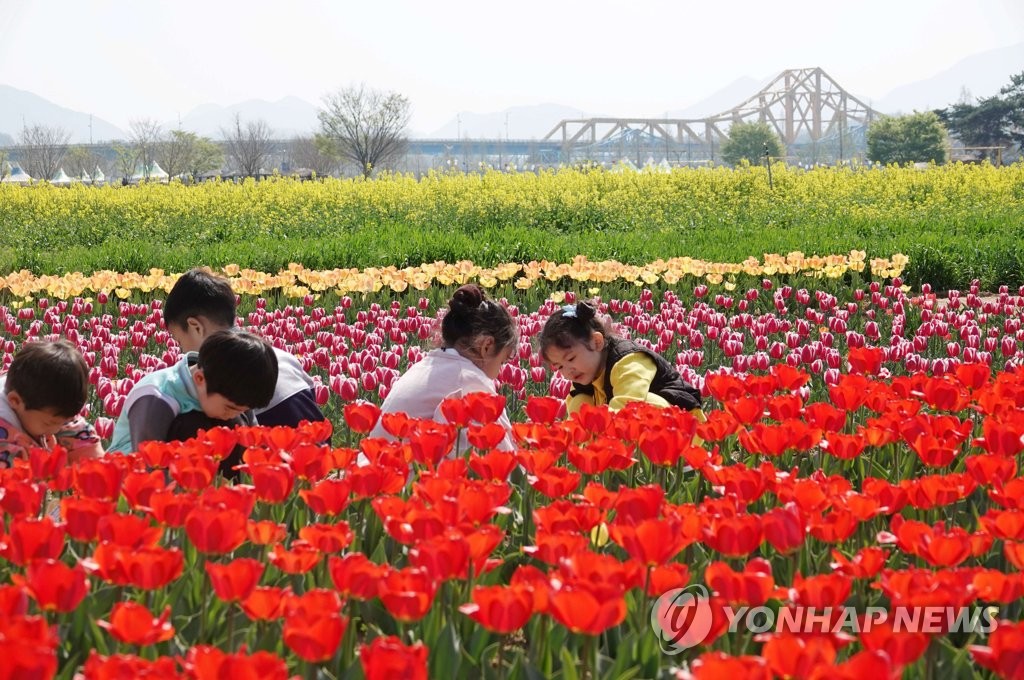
{"points": [[805, 107]]}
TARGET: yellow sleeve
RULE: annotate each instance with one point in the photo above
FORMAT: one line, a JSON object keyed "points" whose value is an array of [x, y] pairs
{"points": [[631, 380], [574, 402]]}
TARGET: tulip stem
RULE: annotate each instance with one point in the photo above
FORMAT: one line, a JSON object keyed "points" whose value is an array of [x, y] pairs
{"points": [[502, 646], [588, 644], [646, 598], [201, 570]]}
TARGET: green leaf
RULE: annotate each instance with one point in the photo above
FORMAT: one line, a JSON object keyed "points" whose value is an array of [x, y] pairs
{"points": [[446, 655], [569, 663]]}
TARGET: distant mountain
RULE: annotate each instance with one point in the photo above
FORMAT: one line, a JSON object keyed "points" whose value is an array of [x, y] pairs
{"points": [[728, 97], [524, 122], [981, 74], [18, 108], [288, 117], [6, 140]]}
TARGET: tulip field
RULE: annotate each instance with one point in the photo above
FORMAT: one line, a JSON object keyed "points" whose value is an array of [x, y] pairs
{"points": [[859, 452]]}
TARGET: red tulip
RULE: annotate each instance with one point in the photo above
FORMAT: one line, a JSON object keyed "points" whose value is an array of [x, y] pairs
{"points": [[484, 437], [30, 538], [134, 624], [500, 609], [130, 531], [313, 637], [99, 478], [1004, 654], [235, 580], [652, 542], [54, 585], [584, 608], [46, 464], [82, 516], [273, 482], [733, 536], [204, 662], [354, 575], [13, 601], [302, 557], [215, 531], [170, 508], [751, 587], [386, 658], [327, 497], [327, 538], [408, 593], [790, 656], [444, 557], [361, 416], [124, 666], [721, 666], [785, 528], [265, 603], [496, 465], [484, 408], [555, 482], [265, 532], [138, 487], [544, 409]]}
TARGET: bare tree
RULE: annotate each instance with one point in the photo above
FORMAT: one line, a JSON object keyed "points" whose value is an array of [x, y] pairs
{"points": [[5, 164], [313, 153], [81, 161], [144, 138], [125, 161], [249, 146], [42, 150], [366, 126]]}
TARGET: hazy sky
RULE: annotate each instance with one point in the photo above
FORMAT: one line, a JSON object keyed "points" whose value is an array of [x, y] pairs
{"points": [[125, 59]]}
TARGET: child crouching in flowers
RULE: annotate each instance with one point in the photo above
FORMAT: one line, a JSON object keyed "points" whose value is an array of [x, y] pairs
{"points": [[608, 370], [477, 336], [233, 373], [41, 395]]}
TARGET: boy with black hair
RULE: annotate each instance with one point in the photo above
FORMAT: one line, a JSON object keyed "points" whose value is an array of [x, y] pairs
{"points": [[41, 396], [232, 373], [201, 303]]}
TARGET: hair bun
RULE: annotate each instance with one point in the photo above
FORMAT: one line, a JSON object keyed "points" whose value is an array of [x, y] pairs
{"points": [[585, 311], [467, 298]]}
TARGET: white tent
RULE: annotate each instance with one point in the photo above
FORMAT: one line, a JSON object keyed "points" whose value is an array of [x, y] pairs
{"points": [[13, 174], [152, 173], [61, 179], [98, 177]]}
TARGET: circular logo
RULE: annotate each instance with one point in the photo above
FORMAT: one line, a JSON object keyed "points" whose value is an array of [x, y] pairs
{"points": [[682, 618]]}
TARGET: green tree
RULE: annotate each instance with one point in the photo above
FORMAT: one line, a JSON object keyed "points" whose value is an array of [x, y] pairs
{"points": [[174, 152], [915, 138], [1014, 95], [365, 126], [991, 121], [206, 156], [749, 141]]}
